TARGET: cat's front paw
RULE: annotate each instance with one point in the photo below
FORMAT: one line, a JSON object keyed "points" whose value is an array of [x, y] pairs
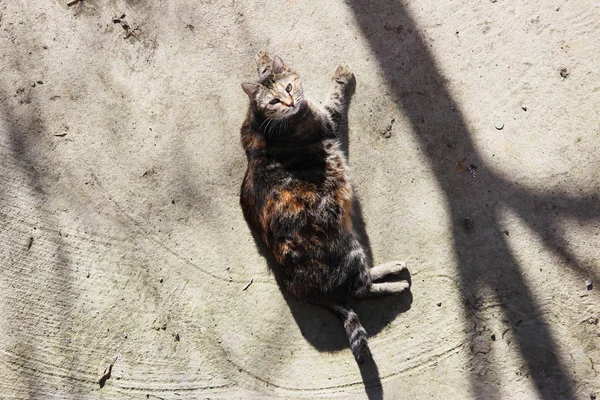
{"points": [[343, 75]]}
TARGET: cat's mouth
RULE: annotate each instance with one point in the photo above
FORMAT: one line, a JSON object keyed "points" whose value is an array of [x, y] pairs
{"points": [[292, 108]]}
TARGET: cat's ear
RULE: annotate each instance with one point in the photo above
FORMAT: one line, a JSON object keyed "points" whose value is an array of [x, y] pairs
{"points": [[278, 65], [251, 89]]}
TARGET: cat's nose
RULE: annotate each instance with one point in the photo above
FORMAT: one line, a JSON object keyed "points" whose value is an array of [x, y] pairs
{"points": [[291, 103]]}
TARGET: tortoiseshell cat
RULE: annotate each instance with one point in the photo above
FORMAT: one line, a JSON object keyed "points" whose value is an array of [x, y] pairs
{"points": [[297, 195]]}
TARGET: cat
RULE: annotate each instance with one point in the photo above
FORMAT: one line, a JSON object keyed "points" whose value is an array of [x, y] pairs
{"points": [[297, 195]]}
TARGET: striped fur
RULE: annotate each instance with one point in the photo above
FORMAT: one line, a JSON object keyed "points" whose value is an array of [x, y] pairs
{"points": [[357, 335]]}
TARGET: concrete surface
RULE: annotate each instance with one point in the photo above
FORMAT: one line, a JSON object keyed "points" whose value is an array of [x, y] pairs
{"points": [[122, 240]]}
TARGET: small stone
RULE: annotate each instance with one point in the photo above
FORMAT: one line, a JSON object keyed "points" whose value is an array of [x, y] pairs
{"points": [[494, 337], [564, 73], [557, 8], [589, 284], [177, 337], [472, 168], [506, 232], [499, 125], [439, 304], [524, 108], [40, 82], [593, 396], [387, 133]]}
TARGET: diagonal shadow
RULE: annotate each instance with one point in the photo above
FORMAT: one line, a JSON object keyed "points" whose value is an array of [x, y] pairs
{"points": [[485, 261]]}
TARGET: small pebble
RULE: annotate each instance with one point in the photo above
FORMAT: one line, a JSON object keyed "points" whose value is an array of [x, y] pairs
{"points": [[40, 82], [494, 337], [564, 73], [557, 8], [439, 304], [589, 284], [472, 168], [499, 125], [524, 108]]}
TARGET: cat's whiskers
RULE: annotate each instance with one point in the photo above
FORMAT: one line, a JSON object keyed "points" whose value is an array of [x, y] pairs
{"points": [[267, 126], [261, 125], [272, 123]]}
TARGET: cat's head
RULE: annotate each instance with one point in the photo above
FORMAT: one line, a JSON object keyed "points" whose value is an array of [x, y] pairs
{"points": [[279, 93]]}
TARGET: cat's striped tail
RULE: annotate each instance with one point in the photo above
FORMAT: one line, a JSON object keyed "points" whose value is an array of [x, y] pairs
{"points": [[357, 336]]}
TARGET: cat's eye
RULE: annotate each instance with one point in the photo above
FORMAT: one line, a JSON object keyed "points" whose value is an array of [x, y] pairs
{"points": [[274, 101], [288, 88]]}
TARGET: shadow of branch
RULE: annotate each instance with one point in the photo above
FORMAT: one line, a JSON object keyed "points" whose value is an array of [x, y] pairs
{"points": [[418, 85]]}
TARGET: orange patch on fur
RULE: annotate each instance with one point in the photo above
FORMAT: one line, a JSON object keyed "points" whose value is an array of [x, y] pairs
{"points": [[289, 202], [252, 142], [347, 214], [280, 252], [265, 216]]}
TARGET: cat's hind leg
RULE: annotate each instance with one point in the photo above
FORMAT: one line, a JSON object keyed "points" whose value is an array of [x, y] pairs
{"points": [[387, 269], [385, 289], [264, 64]]}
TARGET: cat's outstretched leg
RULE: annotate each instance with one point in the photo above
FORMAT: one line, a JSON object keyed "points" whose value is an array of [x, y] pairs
{"points": [[264, 64], [385, 289], [338, 98], [384, 270]]}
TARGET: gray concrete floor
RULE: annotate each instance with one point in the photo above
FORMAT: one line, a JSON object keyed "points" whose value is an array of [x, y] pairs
{"points": [[122, 240]]}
